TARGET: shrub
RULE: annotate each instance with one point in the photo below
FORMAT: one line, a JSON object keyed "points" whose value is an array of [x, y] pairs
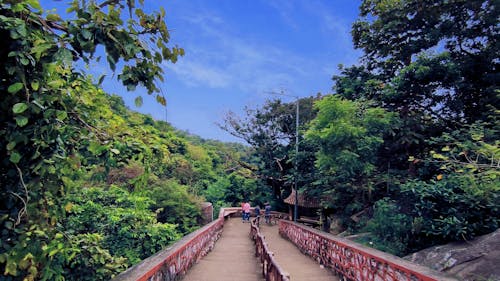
{"points": [[390, 229], [457, 207]]}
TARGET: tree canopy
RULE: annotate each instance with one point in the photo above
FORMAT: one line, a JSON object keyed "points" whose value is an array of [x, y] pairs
{"points": [[410, 129], [435, 65], [271, 131]]}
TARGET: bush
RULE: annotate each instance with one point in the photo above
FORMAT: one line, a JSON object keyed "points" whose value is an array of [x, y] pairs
{"points": [[124, 220], [457, 207], [175, 205], [390, 229]]}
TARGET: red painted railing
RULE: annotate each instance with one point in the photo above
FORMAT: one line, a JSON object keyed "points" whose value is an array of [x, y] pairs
{"points": [[270, 268], [348, 259], [353, 261], [173, 262]]}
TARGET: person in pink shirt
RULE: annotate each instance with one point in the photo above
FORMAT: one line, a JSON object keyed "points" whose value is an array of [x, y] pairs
{"points": [[246, 211]]}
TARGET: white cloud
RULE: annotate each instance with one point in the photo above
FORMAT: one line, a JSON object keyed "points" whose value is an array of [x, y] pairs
{"points": [[218, 56], [227, 61], [194, 73]]}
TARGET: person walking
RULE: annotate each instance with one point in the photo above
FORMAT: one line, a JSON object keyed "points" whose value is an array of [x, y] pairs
{"points": [[267, 212], [246, 211], [257, 214]]}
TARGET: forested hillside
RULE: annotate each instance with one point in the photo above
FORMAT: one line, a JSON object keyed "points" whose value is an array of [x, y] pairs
{"points": [[89, 187]]}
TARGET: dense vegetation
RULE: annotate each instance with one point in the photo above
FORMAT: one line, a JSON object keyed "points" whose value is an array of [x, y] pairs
{"points": [[88, 187], [409, 140]]}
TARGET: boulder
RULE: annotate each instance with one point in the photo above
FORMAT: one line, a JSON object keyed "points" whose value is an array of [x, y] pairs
{"points": [[475, 260]]}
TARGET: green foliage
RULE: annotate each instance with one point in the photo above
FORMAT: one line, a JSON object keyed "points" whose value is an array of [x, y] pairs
{"points": [[235, 189], [390, 230], [175, 205], [347, 135], [457, 207], [90, 260], [76, 165], [429, 61], [462, 200], [432, 63], [128, 227], [216, 193], [474, 149], [271, 132], [459, 202]]}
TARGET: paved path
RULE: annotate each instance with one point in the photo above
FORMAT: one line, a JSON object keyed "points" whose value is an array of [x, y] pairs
{"points": [[232, 259], [299, 266]]}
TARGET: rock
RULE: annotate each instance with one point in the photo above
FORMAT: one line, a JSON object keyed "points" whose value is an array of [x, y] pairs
{"points": [[335, 225], [475, 260]]}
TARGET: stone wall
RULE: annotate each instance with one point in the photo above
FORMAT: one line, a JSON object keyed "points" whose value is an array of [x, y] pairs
{"points": [[353, 261], [207, 210]]}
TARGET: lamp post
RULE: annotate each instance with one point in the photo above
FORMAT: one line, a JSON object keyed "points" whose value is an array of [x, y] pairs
{"points": [[296, 176], [296, 207]]}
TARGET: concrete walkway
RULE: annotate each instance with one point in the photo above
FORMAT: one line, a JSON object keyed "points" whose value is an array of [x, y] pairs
{"points": [[299, 266], [232, 259]]}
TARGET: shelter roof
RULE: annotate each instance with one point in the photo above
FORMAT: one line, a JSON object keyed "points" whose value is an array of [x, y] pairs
{"points": [[304, 200]]}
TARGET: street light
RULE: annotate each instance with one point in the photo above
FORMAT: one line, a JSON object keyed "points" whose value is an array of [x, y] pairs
{"points": [[296, 176], [296, 207]]}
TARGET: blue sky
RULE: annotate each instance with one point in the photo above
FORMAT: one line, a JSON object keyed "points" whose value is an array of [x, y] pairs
{"points": [[239, 51]]}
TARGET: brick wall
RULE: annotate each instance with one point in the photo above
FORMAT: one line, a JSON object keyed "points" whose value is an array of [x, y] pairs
{"points": [[352, 260]]}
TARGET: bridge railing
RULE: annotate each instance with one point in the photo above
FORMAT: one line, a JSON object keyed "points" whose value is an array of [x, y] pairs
{"points": [[173, 262], [353, 261], [270, 268]]}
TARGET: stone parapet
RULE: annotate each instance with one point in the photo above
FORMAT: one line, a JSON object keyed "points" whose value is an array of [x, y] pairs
{"points": [[173, 262], [353, 261]]}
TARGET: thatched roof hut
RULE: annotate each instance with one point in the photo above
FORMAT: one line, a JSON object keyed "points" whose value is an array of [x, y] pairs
{"points": [[303, 201]]}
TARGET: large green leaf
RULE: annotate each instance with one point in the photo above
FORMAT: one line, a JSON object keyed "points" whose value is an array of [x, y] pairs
{"points": [[14, 88], [138, 101], [21, 121], [19, 108], [61, 115], [15, 157]]}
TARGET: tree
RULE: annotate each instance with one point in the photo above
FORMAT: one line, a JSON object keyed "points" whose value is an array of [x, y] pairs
{"points": [[271, 131], [434, 62], [348, 135], [393, 34], [46, 125]]}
